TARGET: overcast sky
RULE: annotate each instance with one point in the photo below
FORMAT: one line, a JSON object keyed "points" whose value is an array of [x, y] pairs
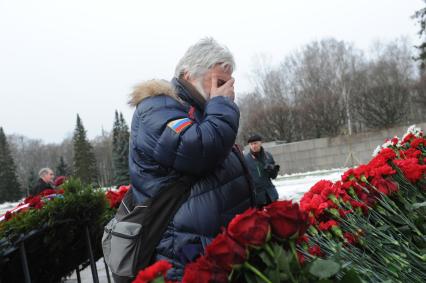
{"points": [[59, 58]]}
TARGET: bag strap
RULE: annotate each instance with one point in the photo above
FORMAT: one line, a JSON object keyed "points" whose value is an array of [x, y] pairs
{"points": [[161, 210], [126, 206]]}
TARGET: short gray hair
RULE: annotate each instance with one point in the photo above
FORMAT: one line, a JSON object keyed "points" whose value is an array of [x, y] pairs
{"points": [[44, 171], [202, 56]]}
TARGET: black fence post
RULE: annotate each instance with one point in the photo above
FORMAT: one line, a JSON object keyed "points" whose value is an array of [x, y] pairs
{"points": [[77, 270], [92, 258], [107, 271], [24, 262]]}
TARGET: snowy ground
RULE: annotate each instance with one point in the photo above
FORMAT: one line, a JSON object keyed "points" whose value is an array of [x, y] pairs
{"points": [[7, 206], [289, 187], [295, 185]]}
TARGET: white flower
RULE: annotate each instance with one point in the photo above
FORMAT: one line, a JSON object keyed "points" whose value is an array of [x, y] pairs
{"points": [[416, 131], [387, 144], [377, 150]]}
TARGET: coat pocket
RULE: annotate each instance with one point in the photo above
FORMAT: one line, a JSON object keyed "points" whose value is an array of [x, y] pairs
{"points": [[106, 240], [125, 248], [122, 242]]}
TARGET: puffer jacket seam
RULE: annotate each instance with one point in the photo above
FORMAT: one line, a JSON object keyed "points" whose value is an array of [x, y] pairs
{"points": [[213, 189]]}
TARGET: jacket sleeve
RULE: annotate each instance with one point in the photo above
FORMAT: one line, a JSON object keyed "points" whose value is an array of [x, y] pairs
{"points": [[192, 147]]}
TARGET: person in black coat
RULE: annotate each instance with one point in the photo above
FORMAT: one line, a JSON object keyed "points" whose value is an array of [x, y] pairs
{"points": [[262, 168], [45, 182], [188, 127]]}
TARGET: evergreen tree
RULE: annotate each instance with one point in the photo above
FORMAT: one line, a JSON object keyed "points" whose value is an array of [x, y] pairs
{"points": [[84, 158], [32, 180], [9, 185], [120, 150], [62, 168], [420, 15]]}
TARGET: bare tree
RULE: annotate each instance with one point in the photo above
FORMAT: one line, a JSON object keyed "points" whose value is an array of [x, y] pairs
{"points": [[308, 95], [32, 154], [385, 98], [267, 110], [324, 83]]}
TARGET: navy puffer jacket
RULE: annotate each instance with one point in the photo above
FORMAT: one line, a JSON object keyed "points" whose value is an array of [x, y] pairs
{"points": [[174, 133]]}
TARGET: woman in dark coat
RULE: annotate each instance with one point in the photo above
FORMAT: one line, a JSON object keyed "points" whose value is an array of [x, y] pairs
{"points": [[188, 128]]}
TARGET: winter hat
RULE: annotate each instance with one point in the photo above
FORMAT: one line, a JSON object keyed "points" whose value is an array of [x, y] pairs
{"points": [[254, 138]]}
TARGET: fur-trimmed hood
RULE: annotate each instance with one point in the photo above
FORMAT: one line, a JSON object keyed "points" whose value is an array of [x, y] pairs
{"points": [[152, 88]]}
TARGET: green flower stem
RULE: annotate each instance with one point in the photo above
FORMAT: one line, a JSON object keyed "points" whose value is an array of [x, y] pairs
{"points": [[256, 271], [294, 251], [269, 250]]}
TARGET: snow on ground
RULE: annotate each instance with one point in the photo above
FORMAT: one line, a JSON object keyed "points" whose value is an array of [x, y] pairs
{"points": [[295, 185], [8, 206]]}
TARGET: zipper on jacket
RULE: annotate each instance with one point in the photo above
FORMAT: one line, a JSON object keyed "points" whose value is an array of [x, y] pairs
{"points": [[258, 171]]}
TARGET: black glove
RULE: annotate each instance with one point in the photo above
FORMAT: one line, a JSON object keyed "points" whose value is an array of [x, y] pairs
{"points": [[272, 170]]}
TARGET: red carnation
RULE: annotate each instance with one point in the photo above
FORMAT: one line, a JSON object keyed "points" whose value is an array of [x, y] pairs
{"points": [[302, 239], [384, 186], [379, 166], [59, 181], [152, 272], [408, 137], [361, 172], [343, 212], [324, 226], [8, 215], [316, 201], [315, 251], [348, 175], [331, 191], [34, 202], [350, 238], [286, 219], [28, 199], [111, 196], [411, 153], [323, 206], [412, 170], [418, 141], [204, 271], [387, 154], [226, 252], [250, 227], [384, 170], [114, 197], [320, 186]]}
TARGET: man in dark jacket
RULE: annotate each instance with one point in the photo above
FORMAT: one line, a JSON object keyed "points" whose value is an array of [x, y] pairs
{"points": [[188, 128], [45, 182], [262, 168]]}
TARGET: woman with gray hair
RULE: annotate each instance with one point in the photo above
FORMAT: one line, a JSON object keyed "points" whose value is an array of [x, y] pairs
{"points": [[188, 128], [207, 54]]}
